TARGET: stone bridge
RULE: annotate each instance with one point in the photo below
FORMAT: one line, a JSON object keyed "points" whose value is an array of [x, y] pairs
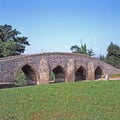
{"points": [[67, 67]]}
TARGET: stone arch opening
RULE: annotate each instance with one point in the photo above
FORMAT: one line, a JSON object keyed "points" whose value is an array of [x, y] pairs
{"points": [[28, 74], [59, 74], [98, 72], [80, 74]]}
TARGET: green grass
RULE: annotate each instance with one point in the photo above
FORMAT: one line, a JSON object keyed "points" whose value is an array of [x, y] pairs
{"points": [[98, 100]]}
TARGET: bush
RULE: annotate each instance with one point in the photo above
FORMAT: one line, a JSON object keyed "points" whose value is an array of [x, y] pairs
{"points": [[21, 78], [52, 76]]}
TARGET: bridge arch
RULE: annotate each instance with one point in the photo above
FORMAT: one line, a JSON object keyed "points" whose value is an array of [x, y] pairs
{"points": [[59, 74], [98, 72], [29, 72], [80, 74]]}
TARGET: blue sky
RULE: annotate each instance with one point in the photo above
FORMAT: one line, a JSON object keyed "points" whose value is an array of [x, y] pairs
{"points": [[56, 25]]}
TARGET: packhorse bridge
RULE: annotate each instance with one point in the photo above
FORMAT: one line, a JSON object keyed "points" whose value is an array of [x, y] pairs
{"points": [[67, 67]]}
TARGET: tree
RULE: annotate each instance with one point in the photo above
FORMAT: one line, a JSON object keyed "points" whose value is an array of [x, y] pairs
{"points": [[103, 58], [7, 48], [113, 55], [10, 41], [82, 50]]}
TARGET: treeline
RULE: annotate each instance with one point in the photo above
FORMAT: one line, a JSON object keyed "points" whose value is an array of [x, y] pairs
{"points": [[112, 57]]}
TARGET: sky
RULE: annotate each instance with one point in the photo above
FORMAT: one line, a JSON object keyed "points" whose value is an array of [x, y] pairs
{"points": [[56, 25]]}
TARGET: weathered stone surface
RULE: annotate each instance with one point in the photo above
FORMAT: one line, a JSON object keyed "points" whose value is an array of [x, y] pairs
{"points": [[70, 75], [38, 67], [44, 72], [91, 71]]}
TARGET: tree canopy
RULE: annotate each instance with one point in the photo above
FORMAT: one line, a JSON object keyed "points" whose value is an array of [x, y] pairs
{"points": [[82, 50], [10, 41], [113, 55]]}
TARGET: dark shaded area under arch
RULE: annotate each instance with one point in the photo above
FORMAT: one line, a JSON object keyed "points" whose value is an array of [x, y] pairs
{"points": [[98, 72], [29, 75], [59, 74], [80, 74]]}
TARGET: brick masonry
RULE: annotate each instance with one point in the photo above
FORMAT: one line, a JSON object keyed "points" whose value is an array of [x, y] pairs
{"points": [[37, 67]]}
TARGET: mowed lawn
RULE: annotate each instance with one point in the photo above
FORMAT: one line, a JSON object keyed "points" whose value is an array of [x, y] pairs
{"points": [[96, 100]]}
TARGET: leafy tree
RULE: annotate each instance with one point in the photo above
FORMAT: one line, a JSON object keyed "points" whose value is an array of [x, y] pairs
{"points": [[90, 52], [103, 58], [82, 50], [113, 55], [7, 48], [1, 48], [10, 41]]}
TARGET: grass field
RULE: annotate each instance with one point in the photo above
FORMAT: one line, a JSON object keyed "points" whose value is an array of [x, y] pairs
{"points": [[96, 100]]}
